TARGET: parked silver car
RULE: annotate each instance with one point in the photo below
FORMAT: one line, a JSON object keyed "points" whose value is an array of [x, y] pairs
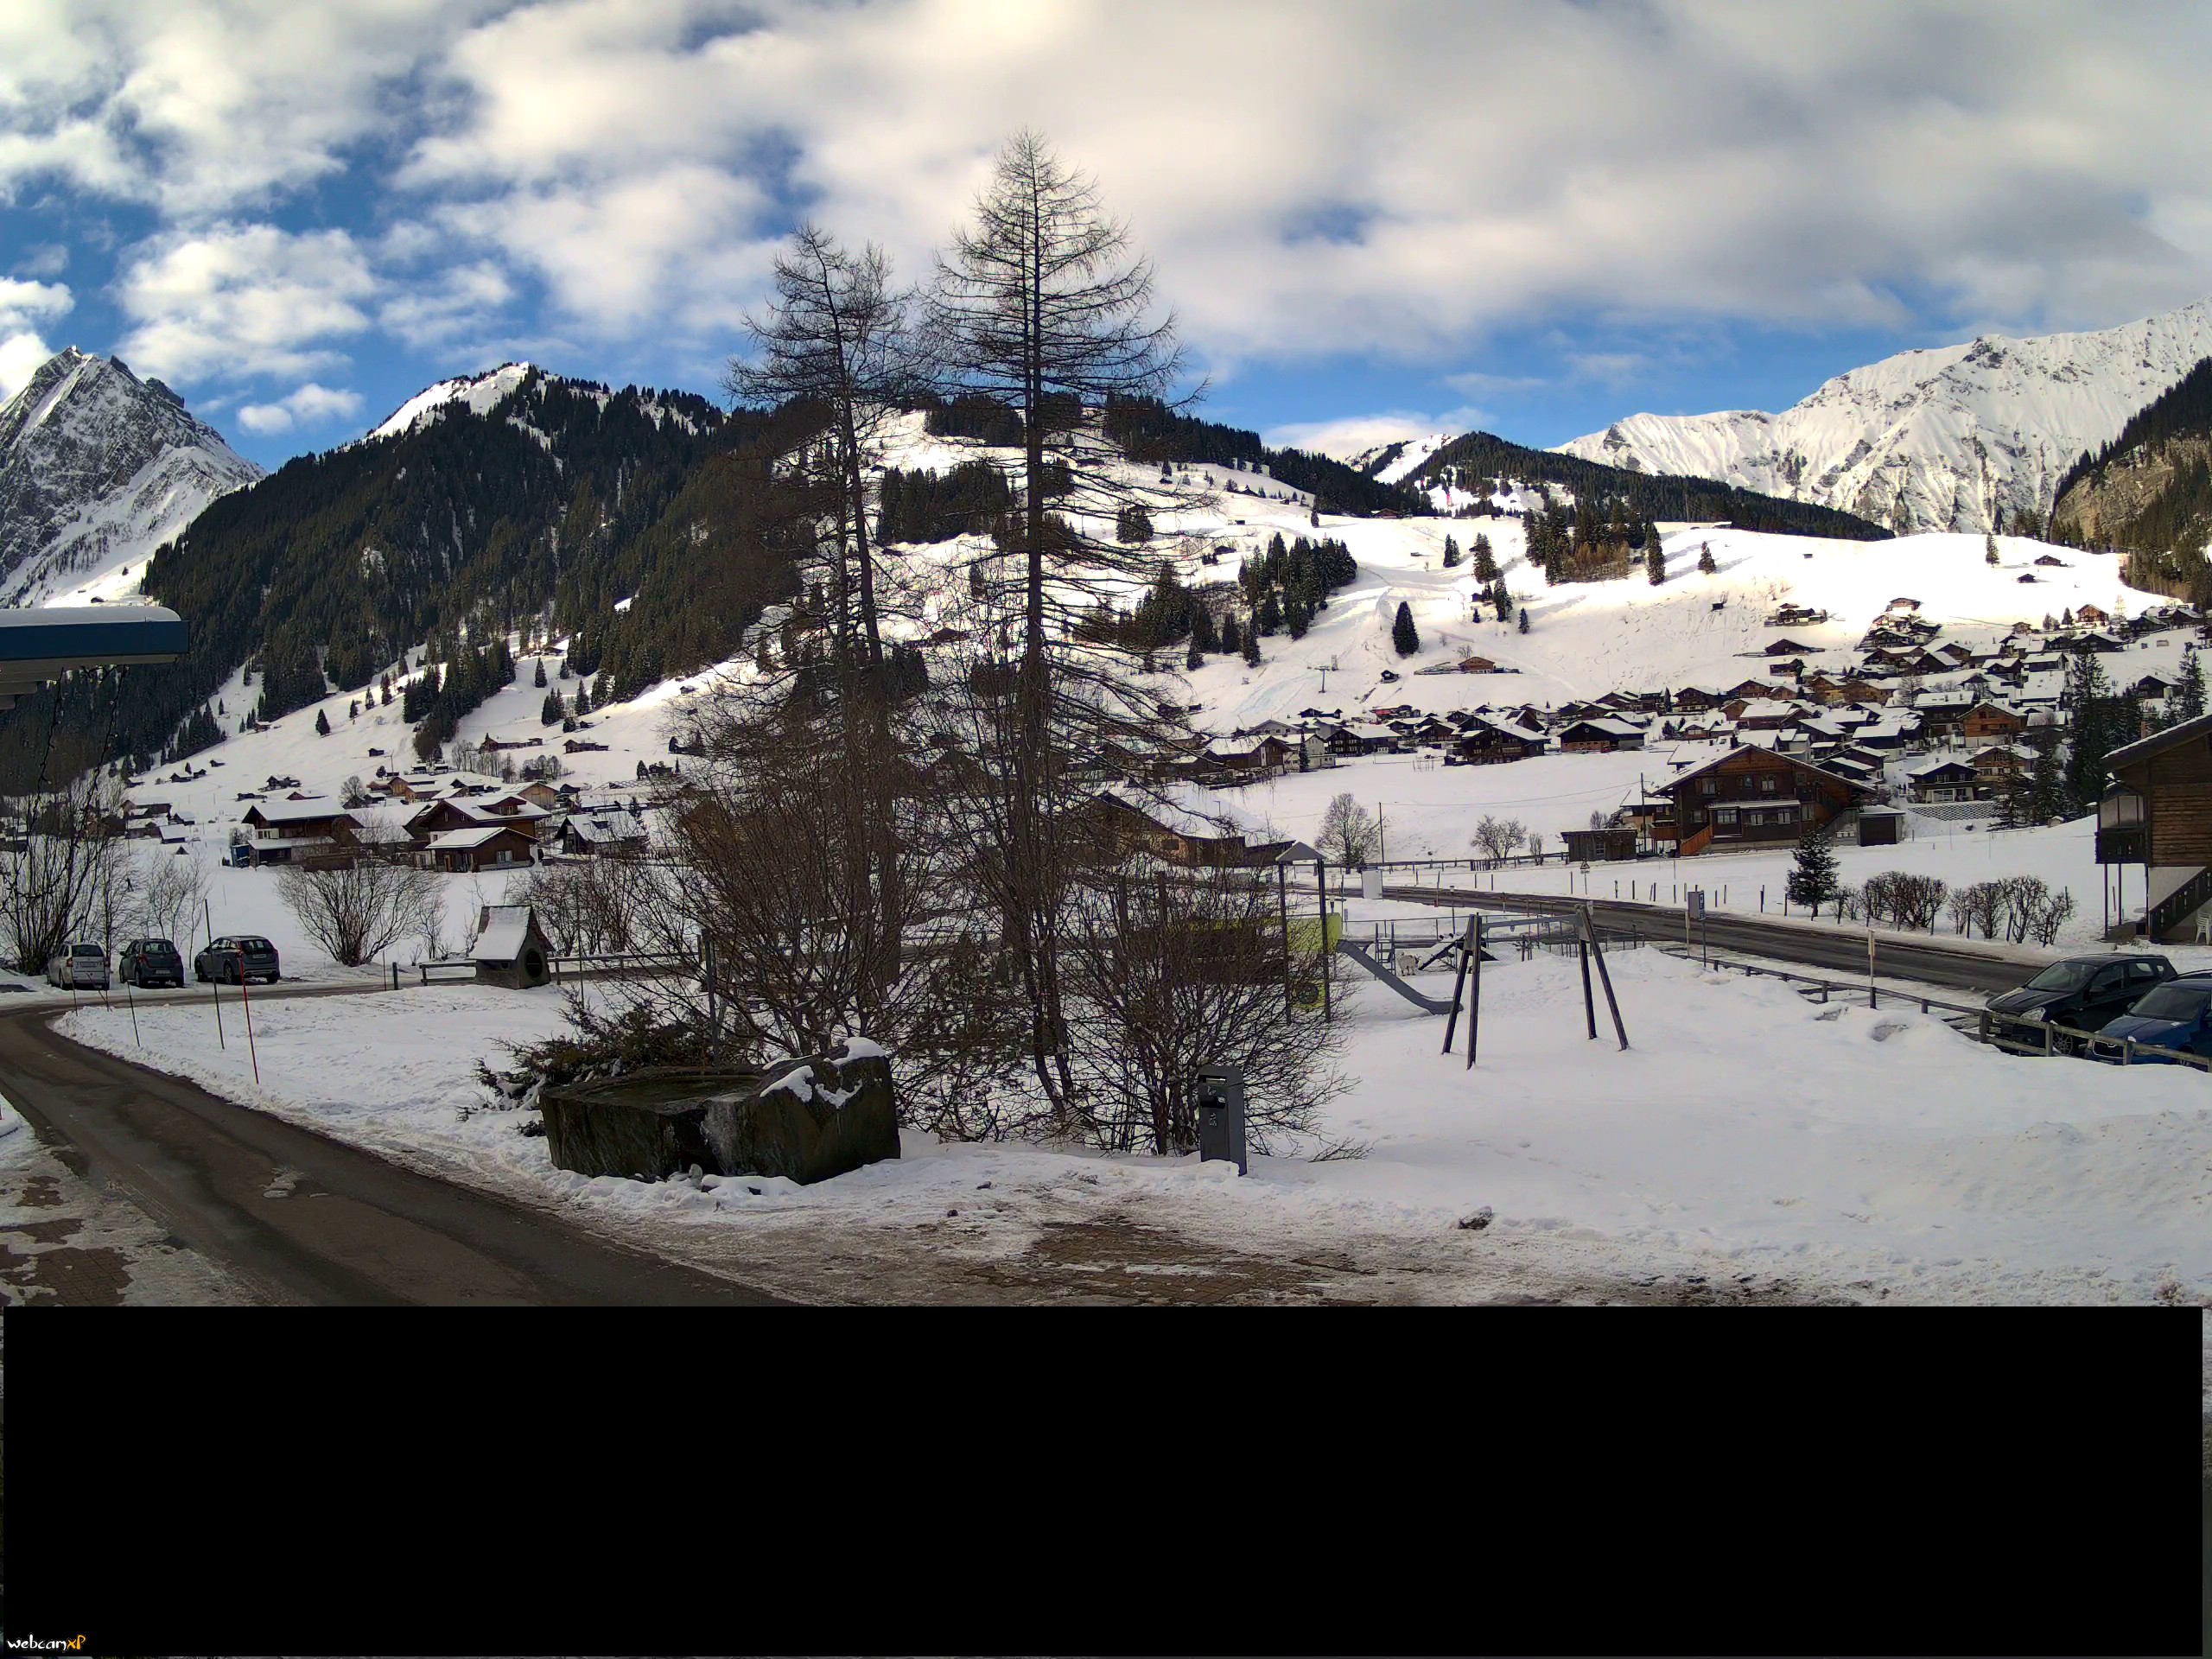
{"points": [[78, 966]]}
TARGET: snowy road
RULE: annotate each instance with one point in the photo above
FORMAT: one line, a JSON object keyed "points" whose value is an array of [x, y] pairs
{"points": [[303, 1218]]}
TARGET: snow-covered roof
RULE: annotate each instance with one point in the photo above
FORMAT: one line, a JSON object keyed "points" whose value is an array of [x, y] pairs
{"points": [[298, 812], [504, 928], [462, 840], [1939, 764], [605, 827]]}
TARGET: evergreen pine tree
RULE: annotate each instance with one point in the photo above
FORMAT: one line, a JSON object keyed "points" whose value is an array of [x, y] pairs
{"points": [[583, 696], [1485, 562], [2098, 728], [538, 679], [1231, 637], [1252, 647], [1813, 880], [1403, 635], [1704, 560], [1194, 658], [2187, 702], [1524, 621], [1989, 549], [553, 710], [1270, 615], [1451, 553], [1503, 601], [1655, 560], [322, 724]]}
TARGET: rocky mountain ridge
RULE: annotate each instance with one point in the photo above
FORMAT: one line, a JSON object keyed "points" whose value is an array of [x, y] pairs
{"points": [[1965, 437], [97, 469]]}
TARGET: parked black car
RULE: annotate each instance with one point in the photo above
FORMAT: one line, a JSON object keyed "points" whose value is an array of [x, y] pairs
{"points": [[2082, 992], [235, 958], [147, 962]]}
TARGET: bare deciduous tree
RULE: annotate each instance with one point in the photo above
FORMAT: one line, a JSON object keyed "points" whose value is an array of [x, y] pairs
{"points": [[169, 887], [1041, 306], [1172, 969], [360, 909], [1347, 835], [62, 869], [1497, 838]]}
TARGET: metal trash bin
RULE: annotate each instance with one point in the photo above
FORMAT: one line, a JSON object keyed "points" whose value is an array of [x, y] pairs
{"points": [[1219, 1090]]}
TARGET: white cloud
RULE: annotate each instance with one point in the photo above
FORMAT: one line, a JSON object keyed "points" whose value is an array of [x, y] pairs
{"points": [[21, 348], [1353, 433], [308, 406], [20, 356], [242, 300], [204, 108], [45, 259], [446, 305], [1474, 168], [22, 302], [1310, 177]]}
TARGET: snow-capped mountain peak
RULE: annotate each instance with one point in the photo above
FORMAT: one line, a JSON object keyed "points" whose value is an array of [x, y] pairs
{"points": [[1955, 437], [480, 393], [98, 468]]}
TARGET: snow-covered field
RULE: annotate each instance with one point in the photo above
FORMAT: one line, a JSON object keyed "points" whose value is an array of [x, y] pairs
{"points": [[1746, 1137]]}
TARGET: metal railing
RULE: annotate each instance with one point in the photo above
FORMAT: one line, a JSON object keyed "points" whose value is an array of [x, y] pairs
{"points": [[2051, 1040], [2190, 895]]}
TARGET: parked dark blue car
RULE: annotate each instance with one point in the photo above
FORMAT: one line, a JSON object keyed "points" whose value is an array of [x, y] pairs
{"points": [[2176, 1014]]}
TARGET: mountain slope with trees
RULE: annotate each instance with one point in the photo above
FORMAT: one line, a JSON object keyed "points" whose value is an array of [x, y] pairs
{"points": [[1476, 463], [534, 517], [2149, 493]]}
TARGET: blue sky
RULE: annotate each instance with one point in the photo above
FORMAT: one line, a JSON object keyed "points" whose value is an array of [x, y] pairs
{"points": [[1372, 221]]}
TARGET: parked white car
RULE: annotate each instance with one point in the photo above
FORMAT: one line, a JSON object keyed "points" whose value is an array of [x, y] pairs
{"points": [[78, 966]]}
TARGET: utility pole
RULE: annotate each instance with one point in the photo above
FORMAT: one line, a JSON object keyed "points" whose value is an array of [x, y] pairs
{"points": [[1382, 842]]}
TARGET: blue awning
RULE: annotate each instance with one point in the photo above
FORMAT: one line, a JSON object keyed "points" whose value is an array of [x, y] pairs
{"points": [[37, 647]]}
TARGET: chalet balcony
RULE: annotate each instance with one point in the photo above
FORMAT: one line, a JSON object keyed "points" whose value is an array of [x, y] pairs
{"points": [[2123, 827], [2124, 844]]}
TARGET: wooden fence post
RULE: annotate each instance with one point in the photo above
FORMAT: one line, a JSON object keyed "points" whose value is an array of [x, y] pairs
{"points": [[1605, 979], [1475, 1009]]}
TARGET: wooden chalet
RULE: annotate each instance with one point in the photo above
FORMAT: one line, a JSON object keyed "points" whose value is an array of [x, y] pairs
{"points": [[1752, 796], [614, 833], [1988, 720], [1178, 835], [1600, 737], [300, 821], [1945, 779], [441, 816], [1494, 741], [487, 848], [1599, 846], [2157, 813]]}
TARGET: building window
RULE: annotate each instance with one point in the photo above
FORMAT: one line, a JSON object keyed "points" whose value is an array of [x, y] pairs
{"points": [[1706, 786], [1766, 783], [1724, 815]]}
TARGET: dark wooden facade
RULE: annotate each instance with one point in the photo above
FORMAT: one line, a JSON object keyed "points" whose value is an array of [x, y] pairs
{"points": [[2159, 810], [1751, 795]]}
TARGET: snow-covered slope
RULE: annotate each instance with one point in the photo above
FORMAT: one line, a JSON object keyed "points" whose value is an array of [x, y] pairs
{"points": [[1957, 437], [480, 393], [98, 468], [1390, 462], [1584, 639]]}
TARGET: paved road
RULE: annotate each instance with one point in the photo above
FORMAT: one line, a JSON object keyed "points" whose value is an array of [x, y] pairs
{"points": [[306, 1219], [1844, 954]]}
